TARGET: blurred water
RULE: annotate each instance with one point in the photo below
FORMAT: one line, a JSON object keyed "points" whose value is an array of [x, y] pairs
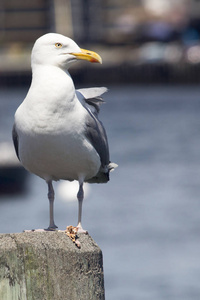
{"points": [[147, 219]]}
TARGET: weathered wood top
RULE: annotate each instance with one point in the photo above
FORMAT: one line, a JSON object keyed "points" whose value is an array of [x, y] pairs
{"points": [[48, 265]]}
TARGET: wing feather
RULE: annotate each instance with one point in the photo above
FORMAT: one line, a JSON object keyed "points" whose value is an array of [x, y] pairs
{"points": [[15, 140], [94, 131]]}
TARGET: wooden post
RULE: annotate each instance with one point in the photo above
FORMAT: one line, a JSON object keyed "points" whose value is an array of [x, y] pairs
{"points": [[49, 266]]}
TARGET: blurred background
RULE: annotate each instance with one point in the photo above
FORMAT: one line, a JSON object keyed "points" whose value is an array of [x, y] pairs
{"points": [[147, 218]]}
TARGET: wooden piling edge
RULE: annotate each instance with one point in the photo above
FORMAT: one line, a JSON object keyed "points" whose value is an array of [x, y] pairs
{"points": [[49, 266]]}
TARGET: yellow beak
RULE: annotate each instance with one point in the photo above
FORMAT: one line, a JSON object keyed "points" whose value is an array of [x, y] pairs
{"points": [[88, 55]]}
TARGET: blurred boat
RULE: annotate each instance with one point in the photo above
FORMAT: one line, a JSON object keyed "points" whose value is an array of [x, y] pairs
{"points": [[13, 176]]}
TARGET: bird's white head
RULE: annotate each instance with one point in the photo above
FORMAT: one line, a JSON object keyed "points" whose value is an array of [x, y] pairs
{"points": [[58, 50]]}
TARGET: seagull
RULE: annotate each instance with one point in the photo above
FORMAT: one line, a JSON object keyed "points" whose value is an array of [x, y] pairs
{"points": [[57, 134]]}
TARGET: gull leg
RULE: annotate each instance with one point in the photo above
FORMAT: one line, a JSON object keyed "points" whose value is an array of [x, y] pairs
{"points": [[52, 225], [51, 195], [80, 197]]}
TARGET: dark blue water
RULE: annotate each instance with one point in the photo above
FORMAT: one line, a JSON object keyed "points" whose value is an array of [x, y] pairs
{"points": [[147, 218]]}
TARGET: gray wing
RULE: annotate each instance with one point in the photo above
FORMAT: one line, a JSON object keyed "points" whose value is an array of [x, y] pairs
{"points": [[95, 131], [96, 134], [15, 140]]}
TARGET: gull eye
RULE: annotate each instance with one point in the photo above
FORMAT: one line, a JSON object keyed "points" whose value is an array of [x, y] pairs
{"points": [[58, 45]]}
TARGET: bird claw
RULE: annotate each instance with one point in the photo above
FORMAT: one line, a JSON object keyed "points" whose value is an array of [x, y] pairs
{"points": [[34, 230], [81, 230], [40, 230], [51, 228]]}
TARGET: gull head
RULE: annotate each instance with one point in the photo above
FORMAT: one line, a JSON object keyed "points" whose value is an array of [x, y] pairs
{"points": [[58, 50]]}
